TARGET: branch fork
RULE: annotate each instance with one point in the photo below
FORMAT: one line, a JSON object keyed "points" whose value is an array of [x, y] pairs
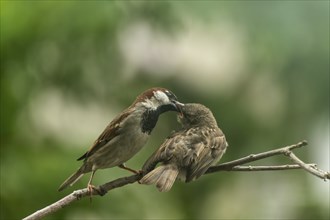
{"points": [[235, 165]]}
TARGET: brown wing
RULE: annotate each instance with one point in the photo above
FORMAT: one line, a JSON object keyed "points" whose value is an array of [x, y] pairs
{"points": [[166, 151], [206, 152], [195, 149], [111, 131]]}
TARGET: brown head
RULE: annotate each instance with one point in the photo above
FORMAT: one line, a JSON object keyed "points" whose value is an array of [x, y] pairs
{"points": [[159, 98], [194, 114]]}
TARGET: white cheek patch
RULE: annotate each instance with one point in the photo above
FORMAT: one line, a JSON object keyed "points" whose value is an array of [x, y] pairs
{"points": [[161, 97]]}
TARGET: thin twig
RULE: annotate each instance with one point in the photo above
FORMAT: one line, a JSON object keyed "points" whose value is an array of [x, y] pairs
{"points": [[235, 165], [267, 168], [253, 157], [311, 168]]}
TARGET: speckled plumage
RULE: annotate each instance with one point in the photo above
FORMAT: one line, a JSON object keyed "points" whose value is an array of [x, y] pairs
{"points": [[188, 153]]}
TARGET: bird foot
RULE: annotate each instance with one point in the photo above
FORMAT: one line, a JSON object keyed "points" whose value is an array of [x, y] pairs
{"points": [[90, 189]]}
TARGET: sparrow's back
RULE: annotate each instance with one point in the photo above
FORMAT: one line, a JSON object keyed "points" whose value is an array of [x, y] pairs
{"points": [[188, 153]]}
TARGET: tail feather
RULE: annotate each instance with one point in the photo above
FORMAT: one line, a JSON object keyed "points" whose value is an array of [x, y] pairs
{"points": [[163, 176], [72, 179]]}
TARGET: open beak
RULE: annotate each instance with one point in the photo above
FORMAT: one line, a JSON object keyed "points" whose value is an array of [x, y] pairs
{"points": [[179, 106]]}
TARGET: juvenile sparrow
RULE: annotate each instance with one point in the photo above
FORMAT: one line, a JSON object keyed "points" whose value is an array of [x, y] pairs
{"points": [[126, 134], [188, 153]]}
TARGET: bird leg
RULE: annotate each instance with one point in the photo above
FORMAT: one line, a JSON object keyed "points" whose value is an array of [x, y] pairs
{"points": [[91, 187], [129, 169]]}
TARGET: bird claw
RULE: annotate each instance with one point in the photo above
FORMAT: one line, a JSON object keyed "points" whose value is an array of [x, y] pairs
{"points": [[90, 189]]}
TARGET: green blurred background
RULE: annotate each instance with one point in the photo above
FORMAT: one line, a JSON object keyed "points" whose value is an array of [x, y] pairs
{"points": [[68, 67]]}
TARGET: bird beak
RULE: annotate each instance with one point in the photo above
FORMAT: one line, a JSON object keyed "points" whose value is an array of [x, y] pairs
{"points": [[179, 106]]}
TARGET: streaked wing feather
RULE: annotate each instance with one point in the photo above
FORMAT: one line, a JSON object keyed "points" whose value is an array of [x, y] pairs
{"points": [[111, 131], [212, 151], [163, 153]]}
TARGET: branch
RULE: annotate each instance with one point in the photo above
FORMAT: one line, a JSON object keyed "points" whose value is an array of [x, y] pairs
{"points": [[253, 157], [287, 151], [267, 168], [235, 165], [58, 205], [78, 194], [311, 168]]}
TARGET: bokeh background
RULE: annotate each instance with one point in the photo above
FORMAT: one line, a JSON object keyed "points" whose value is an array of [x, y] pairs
{"points": [[68, 67]]}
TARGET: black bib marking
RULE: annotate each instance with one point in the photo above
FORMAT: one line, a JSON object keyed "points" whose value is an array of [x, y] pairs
{"points": [[150, 117]]}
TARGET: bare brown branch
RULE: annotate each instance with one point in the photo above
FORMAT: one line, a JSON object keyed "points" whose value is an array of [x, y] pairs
{"points": [[267, 168], [235, 165], [311, 168], [254, 157], [58, 205]]}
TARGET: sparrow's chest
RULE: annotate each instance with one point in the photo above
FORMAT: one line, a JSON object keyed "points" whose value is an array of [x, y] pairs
{"points": [[129, 141], [149, 120], [133, 133]]}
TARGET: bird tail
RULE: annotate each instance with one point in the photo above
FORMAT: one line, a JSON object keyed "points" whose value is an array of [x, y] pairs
{"points": [[163, 176], [72, 179]]}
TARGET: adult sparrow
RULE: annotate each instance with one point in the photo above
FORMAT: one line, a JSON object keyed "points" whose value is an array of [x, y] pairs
{"points": [[187, 153], [126, 134]]}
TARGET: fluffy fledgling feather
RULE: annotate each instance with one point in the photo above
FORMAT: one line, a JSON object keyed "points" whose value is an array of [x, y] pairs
{"points": [[188, 153]]}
